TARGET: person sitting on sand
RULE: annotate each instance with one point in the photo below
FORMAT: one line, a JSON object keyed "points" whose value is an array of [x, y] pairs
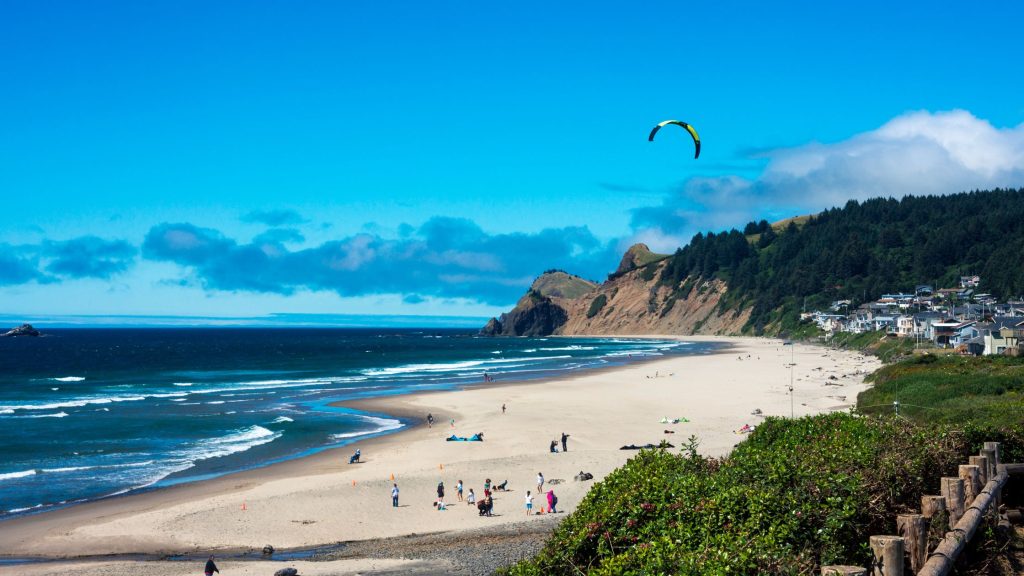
{"points": [[355, 457], [471, 498], [502, 487], [210, 567], [554, 447]]}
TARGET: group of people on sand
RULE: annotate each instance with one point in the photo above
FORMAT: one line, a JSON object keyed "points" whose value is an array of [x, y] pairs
{"points": [[485, 505], [565, 444], [552, 500]]}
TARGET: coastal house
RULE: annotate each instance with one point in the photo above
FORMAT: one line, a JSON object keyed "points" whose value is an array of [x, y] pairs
{"points": [[887, 323], [970, 281], [904, 326], [950, 333], [1002, 335], [923, 324]]}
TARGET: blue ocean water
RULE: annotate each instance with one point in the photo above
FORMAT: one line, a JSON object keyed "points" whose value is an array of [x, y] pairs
{"points": [[89, 413]]}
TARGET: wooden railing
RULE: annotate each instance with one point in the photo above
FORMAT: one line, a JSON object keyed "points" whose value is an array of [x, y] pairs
{"points": [[961, 507]]}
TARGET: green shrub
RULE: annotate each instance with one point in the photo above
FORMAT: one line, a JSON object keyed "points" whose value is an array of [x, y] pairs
{"points": [[795, 495], [596, 305]]}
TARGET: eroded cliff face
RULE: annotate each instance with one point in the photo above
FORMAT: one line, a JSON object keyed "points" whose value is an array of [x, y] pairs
{"points": [[638, 306], [632, 302]]}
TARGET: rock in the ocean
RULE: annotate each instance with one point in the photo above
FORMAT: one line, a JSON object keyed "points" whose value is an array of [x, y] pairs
{"points": [[268, 550], [23, 330]]}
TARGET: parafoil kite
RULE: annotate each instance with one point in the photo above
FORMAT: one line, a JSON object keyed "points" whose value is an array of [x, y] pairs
{"points": [[696, 138]]}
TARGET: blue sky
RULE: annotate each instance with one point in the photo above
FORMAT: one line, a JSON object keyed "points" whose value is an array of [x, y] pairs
{"points": [[252, 158]]}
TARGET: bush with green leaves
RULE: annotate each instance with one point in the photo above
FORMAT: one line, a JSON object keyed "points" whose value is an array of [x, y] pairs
{"points": [[797, 494]]}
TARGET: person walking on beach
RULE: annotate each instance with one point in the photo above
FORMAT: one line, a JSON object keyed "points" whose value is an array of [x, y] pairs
{"points": [[565, 438], [210, 567], [552, 501], [502, 408], [529, 503], [540, 483], [458, 490], [394, 496], [440, 490], [430, 420], [453, 422]]}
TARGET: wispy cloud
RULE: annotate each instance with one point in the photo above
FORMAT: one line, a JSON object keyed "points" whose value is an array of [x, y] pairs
{"points": [[918, 153], [274, 217], [445, 257], [88, 257], [52, 261], [614, 187]]}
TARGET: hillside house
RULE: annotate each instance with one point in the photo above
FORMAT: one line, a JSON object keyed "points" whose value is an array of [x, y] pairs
{"points": [[1002, 334]]}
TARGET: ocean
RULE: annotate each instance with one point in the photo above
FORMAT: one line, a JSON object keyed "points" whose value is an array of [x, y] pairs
{"points": [[92, 413]]}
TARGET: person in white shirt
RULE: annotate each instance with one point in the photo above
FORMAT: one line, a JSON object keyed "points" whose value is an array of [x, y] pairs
{"points": [[394, 496], [540, 483], [529, 503]]}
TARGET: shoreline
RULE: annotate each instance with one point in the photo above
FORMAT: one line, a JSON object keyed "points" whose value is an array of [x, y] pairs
{"points": [[315, 489], [388, 406]]}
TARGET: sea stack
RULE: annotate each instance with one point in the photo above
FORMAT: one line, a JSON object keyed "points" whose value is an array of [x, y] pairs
{"points": [[23, 330]]}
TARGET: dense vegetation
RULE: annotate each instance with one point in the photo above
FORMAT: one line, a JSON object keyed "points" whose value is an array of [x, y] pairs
{"points": [[986, 390], [861, 251], [796, 495], [597, 305]]}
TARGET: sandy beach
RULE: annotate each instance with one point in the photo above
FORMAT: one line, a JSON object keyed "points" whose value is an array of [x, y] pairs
{"points": [[322, 499]]}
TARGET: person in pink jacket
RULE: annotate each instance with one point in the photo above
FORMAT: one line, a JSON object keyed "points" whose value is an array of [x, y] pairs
{"points": [[552, 501]]}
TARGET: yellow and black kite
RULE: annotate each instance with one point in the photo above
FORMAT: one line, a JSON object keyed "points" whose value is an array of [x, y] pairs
{"points": [[696, 138]]}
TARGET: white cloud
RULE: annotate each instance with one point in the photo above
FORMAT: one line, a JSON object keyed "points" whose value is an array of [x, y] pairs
{"points": [[918, 153]]}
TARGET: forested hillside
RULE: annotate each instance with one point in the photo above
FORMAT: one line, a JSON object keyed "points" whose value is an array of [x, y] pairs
{"points": [[858, 252]]}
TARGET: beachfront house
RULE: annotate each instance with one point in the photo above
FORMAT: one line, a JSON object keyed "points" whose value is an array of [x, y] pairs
{"points": [[904, 326], [887, 323]]}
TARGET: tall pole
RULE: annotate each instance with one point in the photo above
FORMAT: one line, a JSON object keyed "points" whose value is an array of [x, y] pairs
{"points": [[792, 363]]}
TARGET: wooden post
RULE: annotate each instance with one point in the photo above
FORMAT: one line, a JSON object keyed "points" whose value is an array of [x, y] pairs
{"points": [[972, 482], [992, 450], [982, 463], [888, 555], [995, 448], [932, 505], [953, 490], [989, 456], [843, 571], [914, 530]]}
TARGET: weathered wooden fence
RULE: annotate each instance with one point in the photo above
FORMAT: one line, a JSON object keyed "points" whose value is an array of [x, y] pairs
{"points": [[963, 503]]}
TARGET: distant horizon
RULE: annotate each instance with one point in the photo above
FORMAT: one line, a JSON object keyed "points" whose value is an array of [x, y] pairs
{"points": [[281, 320]]}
